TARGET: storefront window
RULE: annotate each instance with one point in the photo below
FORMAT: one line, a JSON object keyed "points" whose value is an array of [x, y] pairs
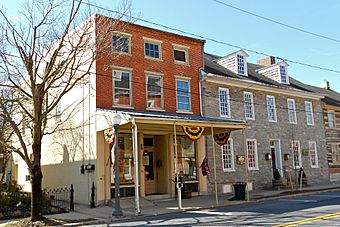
{"points": [[125, 159], [186, 159]]}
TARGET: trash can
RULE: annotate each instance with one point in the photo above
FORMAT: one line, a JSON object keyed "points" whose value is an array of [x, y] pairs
{"points": [[240, 191]]}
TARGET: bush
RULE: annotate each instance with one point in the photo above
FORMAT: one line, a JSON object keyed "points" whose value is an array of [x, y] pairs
{"points": [[276, 174]]}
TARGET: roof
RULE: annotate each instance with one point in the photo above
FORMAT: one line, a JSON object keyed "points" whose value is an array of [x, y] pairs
{"points": [[214, 68]]}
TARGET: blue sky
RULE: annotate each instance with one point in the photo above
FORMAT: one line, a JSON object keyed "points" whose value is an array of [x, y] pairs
{"points": [[212, 20]]}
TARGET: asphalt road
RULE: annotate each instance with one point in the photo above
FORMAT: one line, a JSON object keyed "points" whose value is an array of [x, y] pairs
{"points": [[320, 209]]}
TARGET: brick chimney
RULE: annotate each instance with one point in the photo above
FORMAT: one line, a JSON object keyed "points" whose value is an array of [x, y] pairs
{"points": [[267, 61], [325, 84]]}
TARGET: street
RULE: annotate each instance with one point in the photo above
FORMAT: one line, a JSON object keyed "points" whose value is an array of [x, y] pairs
{"points": [[320, 209]]}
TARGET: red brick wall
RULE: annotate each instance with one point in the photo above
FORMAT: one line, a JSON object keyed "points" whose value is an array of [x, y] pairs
{"points": [[139, 64]]}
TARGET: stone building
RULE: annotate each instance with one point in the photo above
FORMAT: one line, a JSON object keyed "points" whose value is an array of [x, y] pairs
{"points": [[284, 122]]}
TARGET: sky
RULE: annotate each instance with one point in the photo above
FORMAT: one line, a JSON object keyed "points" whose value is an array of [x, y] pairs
{"points": [[213, 20]]}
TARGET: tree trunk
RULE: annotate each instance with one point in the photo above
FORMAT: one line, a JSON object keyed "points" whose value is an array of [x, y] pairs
{"points": [[36, 183]]}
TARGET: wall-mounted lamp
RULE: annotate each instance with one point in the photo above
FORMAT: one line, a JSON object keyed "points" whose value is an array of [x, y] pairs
{"points": [[268, 156], [286, 156]]}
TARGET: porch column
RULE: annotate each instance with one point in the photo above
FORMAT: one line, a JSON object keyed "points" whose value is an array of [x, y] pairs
{"points": [[135, 163], [214, 159], [141, 166]]}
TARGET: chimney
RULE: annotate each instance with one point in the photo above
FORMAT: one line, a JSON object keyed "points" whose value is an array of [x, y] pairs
{"points": [[325, 84], [267, 61]]}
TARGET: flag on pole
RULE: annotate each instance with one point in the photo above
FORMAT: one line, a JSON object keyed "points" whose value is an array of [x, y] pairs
{"points": [[205, 167]]}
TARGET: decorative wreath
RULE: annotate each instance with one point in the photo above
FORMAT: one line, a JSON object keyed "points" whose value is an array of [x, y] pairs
{"points": [[108, 134], [221, 138], [193, 133]]}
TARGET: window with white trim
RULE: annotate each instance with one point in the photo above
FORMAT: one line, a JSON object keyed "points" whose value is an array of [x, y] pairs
{"points": [[283, 74], [252, 154], [224, 102], [121, 82], [309, 113], [296, 153], [331, 118], [154, 91], [181, 54], [291, 111], [58, 112], [121, 43], [248, 105], [241, 68], [152, 48], [313, 155], [183, 95], [228, 156], [271, 108], [335, 154]]}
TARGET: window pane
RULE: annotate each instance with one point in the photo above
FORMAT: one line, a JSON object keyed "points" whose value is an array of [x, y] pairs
{"points": [[240, 64], [152, 50], [183, 98], [186, 160], [120, 43], [154, 92], [122, 89], [179, 55]]}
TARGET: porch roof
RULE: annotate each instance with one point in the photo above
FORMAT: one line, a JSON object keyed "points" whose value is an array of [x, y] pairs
{"points": [[164, 122]]}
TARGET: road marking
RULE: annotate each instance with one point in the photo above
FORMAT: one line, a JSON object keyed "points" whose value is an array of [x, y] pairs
{"points": [[328, 196], [309, 220], [300, 200], [209, 212]]}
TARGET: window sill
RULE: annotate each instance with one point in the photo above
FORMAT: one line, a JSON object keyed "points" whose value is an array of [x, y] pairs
{"points": [[314, 167], [184, 112], [255, 169], [151, 58], [153, 109], [293, 123], [229, 171], [252, 119], [181, 63], [124, 107], [122, 53], [225, 116]]}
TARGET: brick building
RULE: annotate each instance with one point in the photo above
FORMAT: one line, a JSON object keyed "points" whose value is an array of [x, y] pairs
{"points": [[284, 122]]}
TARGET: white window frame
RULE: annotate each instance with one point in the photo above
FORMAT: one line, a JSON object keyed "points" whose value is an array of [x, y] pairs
{"points": [[227, 102], [312, 144], [299, 154], [291, 112], [335, 149], [273, 108], [113, 86], [224, 150], [331, 115], [147, 91], [189, 95], [154, 42], [256, 160], [123, 35], [245, 73], [184, 49], [285, 74], [251, 105], [309, 113]]}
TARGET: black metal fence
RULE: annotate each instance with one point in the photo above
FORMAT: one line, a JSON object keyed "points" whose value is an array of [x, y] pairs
{"points": [[61, 199]]}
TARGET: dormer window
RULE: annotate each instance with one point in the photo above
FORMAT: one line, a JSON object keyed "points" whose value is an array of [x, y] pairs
{"points": [[240, 65], [283, 74]]}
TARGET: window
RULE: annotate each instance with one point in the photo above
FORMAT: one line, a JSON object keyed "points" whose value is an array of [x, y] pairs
{"points": [[271, 108], [121, 42], [331, 118], [122, 88], [313, 156], [154, 92], [224, 102], [183, 95], [296, 153], [58, 112], [241, 69], [186, 160], [283, 74], [252, 154], [2, 162], [181, 54], [152, 48], [309, 113], [228, 156], [336, 154], [248, 105], [291, 111]]}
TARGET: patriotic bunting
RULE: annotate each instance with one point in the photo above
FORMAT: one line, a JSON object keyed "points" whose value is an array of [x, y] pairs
{"points": [[193, 133], [221, 138], [108, 134]]}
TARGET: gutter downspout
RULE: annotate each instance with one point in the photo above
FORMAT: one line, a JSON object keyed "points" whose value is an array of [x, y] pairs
{"points": [[135, 163], [200, 82]]}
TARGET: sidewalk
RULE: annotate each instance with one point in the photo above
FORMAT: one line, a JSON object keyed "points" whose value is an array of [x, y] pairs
{"points": [[102, 214]]}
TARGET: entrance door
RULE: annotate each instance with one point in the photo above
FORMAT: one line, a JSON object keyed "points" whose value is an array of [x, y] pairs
{"points": [[149, 165], [276, 155]]}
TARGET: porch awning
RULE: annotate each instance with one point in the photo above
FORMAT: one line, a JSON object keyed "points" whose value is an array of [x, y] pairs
{"points": [[164, 122]]}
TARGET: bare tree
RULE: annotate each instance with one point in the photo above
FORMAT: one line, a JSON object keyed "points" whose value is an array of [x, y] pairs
{"points": [[44, 58]]}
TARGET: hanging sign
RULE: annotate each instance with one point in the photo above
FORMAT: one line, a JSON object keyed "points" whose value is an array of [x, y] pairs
{"points": [[108, 134], [193, 133], [221, 138]]}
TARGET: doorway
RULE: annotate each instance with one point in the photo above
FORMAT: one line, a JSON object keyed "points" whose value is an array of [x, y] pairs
{"points": [[276, 156], [149, 156]]}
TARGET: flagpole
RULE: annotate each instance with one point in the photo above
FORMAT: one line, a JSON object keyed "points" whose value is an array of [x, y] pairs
{"points": [[214, 158]]}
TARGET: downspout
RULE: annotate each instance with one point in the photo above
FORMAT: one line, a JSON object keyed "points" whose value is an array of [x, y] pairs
{"points": [[135, 163], [200, 82]]}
